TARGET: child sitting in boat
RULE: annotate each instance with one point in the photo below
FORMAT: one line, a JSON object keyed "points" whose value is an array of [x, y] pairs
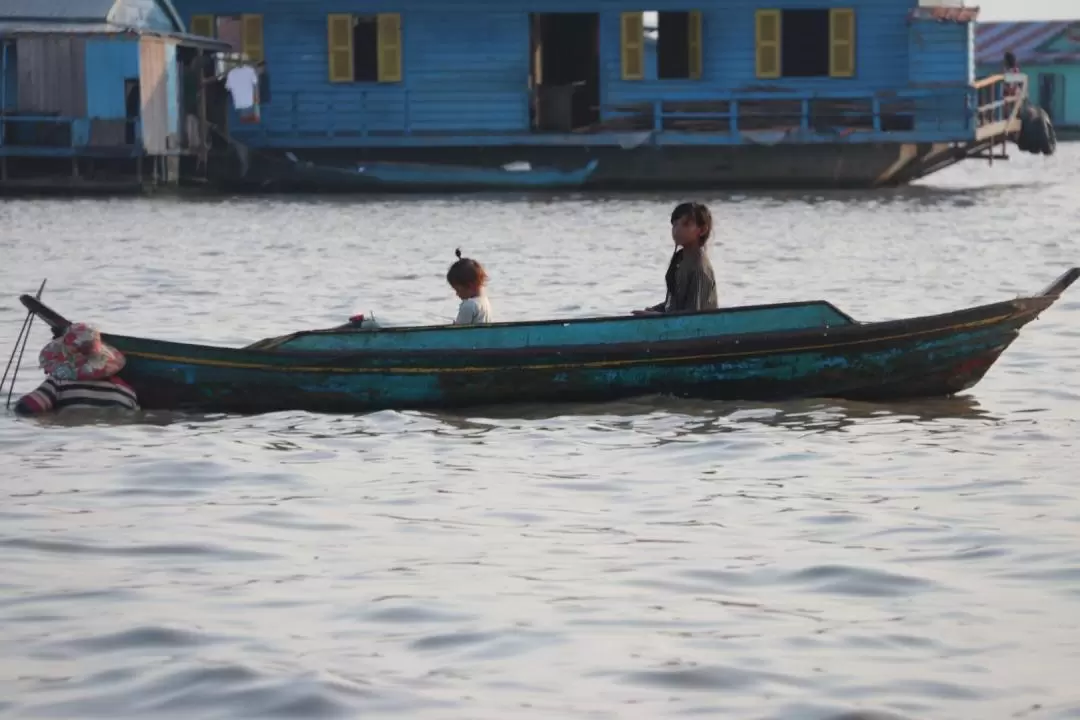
{"points": [[468, 279], [81, 373], [691, 284]]}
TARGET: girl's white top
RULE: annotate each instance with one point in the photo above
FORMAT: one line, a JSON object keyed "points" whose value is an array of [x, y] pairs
{"points": [[474, 311]]}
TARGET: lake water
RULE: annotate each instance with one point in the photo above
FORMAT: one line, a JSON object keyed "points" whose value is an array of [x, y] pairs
{"points": [[642, 559]]}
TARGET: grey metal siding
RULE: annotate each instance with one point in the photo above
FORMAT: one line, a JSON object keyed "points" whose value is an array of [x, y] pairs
{"points": [[52, 75]]}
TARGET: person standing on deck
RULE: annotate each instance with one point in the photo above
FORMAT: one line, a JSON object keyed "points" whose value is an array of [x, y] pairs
{"points": [[1011, 68], [81, 373], [691, 283]]}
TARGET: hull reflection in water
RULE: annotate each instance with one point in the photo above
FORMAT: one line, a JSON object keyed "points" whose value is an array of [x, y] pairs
{"points": [[756, 353]]}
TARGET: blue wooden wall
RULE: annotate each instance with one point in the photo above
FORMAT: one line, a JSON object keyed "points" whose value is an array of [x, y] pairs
{"points": [[941, 52], [108, 62], [172, 89], [728, 59], [466, 64]]}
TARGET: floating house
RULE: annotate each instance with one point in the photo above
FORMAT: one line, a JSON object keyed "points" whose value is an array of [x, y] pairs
{"points": [[816, 93], [92, 93], [1048, 53]]}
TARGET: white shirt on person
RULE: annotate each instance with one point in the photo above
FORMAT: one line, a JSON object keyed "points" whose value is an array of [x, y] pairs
{"points": [[242, 82], [474, 311]]}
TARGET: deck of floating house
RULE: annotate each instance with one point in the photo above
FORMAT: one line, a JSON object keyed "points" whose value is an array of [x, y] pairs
{"points": [[1048, 53], [728, 93], [90, 94]]}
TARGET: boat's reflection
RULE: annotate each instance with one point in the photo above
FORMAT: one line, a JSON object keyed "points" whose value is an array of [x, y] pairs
{"points": [[926, 194], [690, 416], [700, 416]]}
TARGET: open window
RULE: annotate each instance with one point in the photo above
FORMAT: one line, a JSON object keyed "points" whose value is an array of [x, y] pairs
{"points": [[805, 43], [243, 33], [364, 48], [678, 45], [673, 38]]}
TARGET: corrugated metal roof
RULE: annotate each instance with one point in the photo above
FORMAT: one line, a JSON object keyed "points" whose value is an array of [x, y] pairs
{"points": [[944, 13], [14, 29], [1023, 39], [38, 28], [70, 11], [59, 10]]}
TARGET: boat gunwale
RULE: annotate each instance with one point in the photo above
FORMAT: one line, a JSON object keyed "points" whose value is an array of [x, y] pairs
{"points": [[1019, 311], [1052, 292], [398, 164], [574, 321]]}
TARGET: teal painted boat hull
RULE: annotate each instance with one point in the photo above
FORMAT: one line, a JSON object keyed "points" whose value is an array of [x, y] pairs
{"points": [[772, 352], [382, 176]]}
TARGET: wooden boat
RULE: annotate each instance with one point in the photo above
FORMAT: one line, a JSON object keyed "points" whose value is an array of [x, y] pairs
{"points": [[753, 353], [292, 174]]}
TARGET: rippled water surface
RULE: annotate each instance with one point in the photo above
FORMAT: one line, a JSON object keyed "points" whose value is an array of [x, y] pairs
{"points": [[643, 559]]}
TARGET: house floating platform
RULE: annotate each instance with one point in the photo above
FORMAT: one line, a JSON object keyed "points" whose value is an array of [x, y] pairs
{"points": [[432, 95], [1048, 52], [91, 95]]}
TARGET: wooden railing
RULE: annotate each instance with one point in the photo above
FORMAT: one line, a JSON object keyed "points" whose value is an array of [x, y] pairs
{"points": [[969, 107], [38, 134], [999, 98], [960, 110]]}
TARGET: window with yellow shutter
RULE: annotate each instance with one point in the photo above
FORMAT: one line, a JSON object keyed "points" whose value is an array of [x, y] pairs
{"points": [[202, 25], [767, 25], [251, 37], [365, 48], [667, 43], [841, 42], [243, 33], [633, 46], [805, 43]]}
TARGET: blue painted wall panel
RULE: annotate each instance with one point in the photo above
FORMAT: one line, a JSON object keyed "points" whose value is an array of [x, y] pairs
{"points": [[463, 72], [466, 64], [172, 90], [728, 60], [940, 52], [108, 62]]}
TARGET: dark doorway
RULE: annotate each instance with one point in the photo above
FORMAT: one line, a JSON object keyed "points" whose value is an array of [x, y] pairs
{"points": [[1052, 95], [132, 108], [565, 70], [804, 43]]}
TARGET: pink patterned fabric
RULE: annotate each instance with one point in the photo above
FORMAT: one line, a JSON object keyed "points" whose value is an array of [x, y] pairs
{"points": [[79, 354]]}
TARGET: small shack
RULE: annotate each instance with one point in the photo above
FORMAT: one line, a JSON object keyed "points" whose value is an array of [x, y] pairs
{"points": [[1048, 53], [99, 93]]}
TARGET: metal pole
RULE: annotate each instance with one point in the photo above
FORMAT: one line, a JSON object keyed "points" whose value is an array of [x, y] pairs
{"points": [[27, 325], [3, 89]]}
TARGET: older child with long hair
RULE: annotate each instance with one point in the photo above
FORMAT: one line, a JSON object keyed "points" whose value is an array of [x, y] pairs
{"points": [[691, 284]]}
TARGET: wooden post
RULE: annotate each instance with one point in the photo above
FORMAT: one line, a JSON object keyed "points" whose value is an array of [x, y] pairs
{"points": [[204, 132]]}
